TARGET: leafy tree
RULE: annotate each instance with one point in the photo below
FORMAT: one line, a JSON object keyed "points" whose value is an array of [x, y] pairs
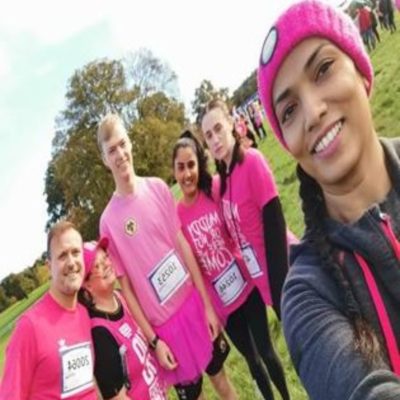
{"points": [[12, 287], [30, 273], [154, 134], [40, 269], [26, 283], [76, 182], [245, 90], [40, 260], [203, 94], [159, 105], [4, 300], [99, 88], [78, 185], [56, 206], [152, 146], [149, 74], [85, 182], [42, 273]]}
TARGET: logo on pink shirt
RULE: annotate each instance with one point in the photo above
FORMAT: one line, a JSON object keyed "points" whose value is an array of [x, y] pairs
{"points": [[131, 227]]}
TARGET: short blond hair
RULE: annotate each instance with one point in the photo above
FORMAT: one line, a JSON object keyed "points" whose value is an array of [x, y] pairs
{"points": [[106, 128]]}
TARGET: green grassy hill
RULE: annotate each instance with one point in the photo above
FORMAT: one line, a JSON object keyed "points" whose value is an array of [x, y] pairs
{"points": [[9, 316], [386, 111]]}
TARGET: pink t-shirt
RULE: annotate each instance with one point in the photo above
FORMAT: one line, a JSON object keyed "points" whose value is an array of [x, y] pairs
{"points": [[225, 275], [142, 229], [250, 186], [50, 355]]}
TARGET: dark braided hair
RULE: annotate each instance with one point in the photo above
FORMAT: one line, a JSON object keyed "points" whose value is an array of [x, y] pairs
{"points": [[188, 139], [314, 210]]}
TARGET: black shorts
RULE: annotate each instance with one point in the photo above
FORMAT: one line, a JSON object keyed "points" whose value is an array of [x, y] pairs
{"points": [[221, 349]]}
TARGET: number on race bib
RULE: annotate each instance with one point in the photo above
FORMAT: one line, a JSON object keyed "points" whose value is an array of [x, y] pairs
{"points": [[168, 276], [77, 369], [230, 284]]}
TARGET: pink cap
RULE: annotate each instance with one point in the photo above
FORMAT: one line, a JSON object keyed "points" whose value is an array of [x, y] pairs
{"points": [[89, 253], [308, 18]]}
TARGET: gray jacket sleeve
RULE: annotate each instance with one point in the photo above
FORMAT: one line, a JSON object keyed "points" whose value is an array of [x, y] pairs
{"points": [[320, 340]]}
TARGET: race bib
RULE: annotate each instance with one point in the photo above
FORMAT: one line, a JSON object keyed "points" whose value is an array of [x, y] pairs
{"points": [[230, 284], [77, 369], [251, 262], [168, 277]]}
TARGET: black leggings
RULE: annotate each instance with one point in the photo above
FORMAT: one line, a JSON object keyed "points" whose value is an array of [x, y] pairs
{"points": [[248, 329]]}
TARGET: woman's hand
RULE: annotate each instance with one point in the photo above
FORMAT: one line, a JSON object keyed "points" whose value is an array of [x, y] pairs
{"points": [[165, 356], [213, 323]]}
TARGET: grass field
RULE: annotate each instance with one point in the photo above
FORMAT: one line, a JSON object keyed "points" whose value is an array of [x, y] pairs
{"points": [[386, 111], [9, 316]]}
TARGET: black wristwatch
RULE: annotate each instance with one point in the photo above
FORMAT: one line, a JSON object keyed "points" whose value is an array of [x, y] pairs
{"points": [[153, 342]]}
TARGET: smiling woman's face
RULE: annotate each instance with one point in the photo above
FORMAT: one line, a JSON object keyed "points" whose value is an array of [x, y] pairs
{"points": [[186, 171], [321, 102]]}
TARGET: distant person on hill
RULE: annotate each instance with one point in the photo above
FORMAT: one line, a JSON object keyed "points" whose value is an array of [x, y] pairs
{"points": [[258, 120], [125, 368], [365, 23], [374, 23], [50, 353], [250, 118], [388, 14], [341, 298], [381, 15]]}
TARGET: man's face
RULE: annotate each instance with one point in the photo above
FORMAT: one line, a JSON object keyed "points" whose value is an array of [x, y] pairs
{"points": [[66, 263], [117, 153]]}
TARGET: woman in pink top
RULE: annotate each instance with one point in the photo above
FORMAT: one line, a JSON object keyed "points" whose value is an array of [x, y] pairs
{"points": [[226, 276], [124, 367], [250, 203], [341, 299]]}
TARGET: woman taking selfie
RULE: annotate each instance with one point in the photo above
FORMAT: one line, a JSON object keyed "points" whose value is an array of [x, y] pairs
{"points": [[341, 299]]}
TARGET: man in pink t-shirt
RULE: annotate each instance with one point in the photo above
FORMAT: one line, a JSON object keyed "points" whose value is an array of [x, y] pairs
{"points": [[50, 353], [157, 271]]}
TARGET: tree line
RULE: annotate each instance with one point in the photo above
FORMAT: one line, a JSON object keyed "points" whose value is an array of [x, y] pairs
{"points": [[15, 287]]}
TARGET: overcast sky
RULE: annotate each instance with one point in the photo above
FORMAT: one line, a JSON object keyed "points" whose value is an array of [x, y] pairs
{"points": [[43, 42]]}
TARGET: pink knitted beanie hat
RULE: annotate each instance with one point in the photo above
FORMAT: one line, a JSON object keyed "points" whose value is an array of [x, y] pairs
{"points": [[308, 18]]}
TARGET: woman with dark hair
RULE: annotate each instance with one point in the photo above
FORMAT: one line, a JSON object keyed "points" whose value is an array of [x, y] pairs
{"points": [[235, 298], [341, 298]]}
